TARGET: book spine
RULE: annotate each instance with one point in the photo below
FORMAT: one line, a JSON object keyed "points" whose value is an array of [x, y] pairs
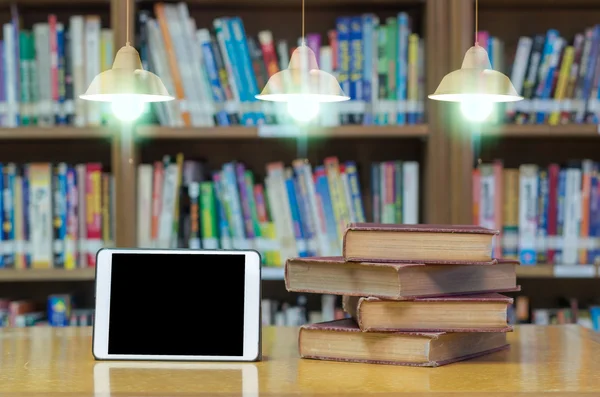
{"points": [[59, 205], [402, 68], [19, 249], [343, 41], [413, 79], [553, 172], [209, 216], [295, 213], [232, 197], [224, 229], [213, 75], [355, 191], [234, 55], [336, 191], [369, 46], [40, 215], [572, 216], [398, 192], [382, 75], [410, 192], [306, 220], [542, 215], [249, 186], [560, 216], [375, 192], [244, 200], [8, 225], [61, 115], [510, 227], [72, 221], [195, 237], [94, 211], [326, 208], [476, 195], [528, 190], [392, 58], [356, 69], [584, 225], [594, 215]]}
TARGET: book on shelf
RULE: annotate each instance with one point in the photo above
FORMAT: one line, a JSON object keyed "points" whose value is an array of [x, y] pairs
{"points": [[566, 311], [379, 64], [285, 314], [549, 215], [60, 312], [558, 77], [46, 66], [54, 215], [407, 309], [298, 210]]}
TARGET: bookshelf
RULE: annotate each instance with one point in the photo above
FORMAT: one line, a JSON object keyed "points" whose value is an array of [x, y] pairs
{"points": [[439, 145]]}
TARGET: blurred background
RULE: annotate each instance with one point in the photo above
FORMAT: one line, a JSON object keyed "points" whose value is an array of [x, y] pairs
{"points": [[218, 169]]}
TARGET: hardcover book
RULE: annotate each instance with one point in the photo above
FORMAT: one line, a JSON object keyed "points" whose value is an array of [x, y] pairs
{"points": [[431, 243], [397, 281], [468, 313], [342, 340]]}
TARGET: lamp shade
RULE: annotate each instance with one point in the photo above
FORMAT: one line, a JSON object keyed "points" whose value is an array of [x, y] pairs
{"points": [[302, 80], [476, 80], [127, 78]]}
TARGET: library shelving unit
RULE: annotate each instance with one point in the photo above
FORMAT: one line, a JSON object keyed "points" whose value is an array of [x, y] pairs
{"points": [[520, 144], [444, 153]]}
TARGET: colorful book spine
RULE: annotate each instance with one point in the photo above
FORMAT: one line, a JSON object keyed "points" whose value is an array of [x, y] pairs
{"points": [[326, 207], [542, 215], [301, 245], [343, 42], [218, 94], [209, 216], [356, 69], [8, 224], [355, 192], [369, 81], [528, 190], [72, 220], [560, 216], [402, 67]]}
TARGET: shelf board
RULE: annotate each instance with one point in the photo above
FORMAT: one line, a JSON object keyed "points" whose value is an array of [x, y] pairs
{"points": [[539, 4], [40, 133], [237, 132], [558, 271], [23, 275], [542, 131], [292, 4], [89, 274]]}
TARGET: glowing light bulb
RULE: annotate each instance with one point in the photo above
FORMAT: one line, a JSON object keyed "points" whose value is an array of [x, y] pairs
{"points": [[476, 109], [127, 108], [303, 109]]}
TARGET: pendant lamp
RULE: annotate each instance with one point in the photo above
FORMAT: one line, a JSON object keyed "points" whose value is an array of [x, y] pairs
{"points": [[302, 85], [127, 86], [476, 86]]}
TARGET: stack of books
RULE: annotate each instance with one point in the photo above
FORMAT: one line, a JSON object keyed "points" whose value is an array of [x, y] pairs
{"points": [[421, 295]]}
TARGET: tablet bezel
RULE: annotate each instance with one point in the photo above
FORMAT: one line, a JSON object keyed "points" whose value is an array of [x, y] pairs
{"points": [[252, 328]]}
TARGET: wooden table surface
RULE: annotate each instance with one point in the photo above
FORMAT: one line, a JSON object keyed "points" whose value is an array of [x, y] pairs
{"points": [[52, 361]]}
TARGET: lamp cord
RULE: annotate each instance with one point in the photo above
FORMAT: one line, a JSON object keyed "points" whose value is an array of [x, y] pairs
{"points": [[127, 23], [476, 20], [303, 21]]}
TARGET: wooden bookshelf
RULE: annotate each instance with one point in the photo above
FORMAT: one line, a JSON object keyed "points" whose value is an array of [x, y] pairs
{"points": [[58, 133], [542, 131], [21, 275], [342, 132]]}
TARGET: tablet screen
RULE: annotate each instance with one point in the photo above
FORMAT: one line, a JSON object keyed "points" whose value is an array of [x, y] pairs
{"points": [[177, 304]]}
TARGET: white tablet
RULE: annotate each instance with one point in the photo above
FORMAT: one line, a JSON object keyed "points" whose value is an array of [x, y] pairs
{"points": [[188, 305]]}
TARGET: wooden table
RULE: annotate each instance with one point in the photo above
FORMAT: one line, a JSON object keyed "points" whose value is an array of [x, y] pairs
{"points": [[51, 361]]}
